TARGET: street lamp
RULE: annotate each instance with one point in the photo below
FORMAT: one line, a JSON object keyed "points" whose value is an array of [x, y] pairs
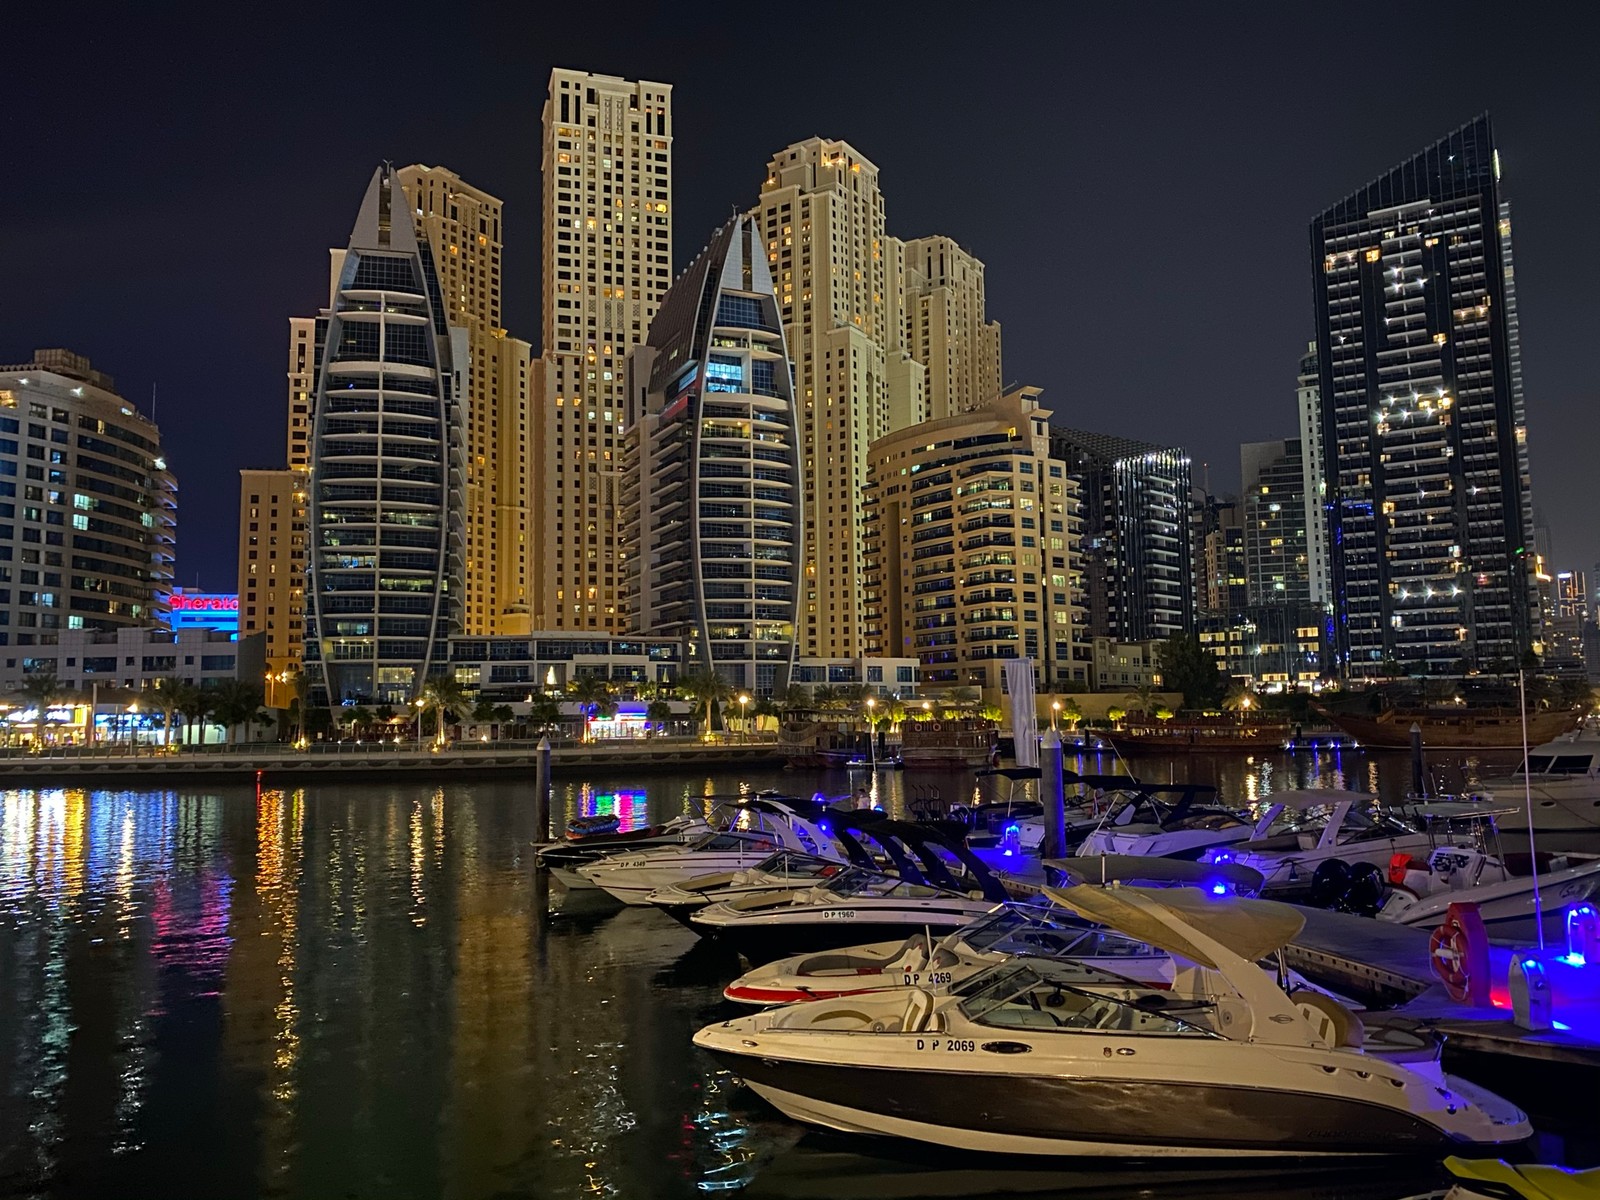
{"points": [[1055, 712], [744, 699], [421, 704]]}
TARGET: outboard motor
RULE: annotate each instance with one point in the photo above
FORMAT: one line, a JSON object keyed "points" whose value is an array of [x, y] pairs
{"points": [[1329, 882]]}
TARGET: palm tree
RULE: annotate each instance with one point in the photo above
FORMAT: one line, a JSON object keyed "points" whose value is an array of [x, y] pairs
{"points": [[165, 698], [658, 713], [707, 686], [796, 698], [236, 703], [1240, 699], [824, 696], [1144, 698], [41, 689], [543, 712], [194, 705], [447, 699], [359, 719]]}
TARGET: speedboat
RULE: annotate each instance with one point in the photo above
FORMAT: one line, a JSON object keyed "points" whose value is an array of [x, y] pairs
{"points": [[855, 906], [1022, 1059], [1562, 779], [1007, 930], [1306, 842], [562, 859], [1164, 822], [759, 827], [785, 871], [1504, 886]]}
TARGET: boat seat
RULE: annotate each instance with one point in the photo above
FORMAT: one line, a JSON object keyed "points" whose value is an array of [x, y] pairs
{"points": [[1334, 1024], [919, 1007]]}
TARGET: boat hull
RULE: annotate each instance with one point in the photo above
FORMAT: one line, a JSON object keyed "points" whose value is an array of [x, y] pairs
{"points": [[1022, 1114], [762, 942], [1500, 730]]}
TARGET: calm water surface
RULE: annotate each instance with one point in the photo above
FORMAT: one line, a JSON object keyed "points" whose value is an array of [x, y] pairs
{"points": [[367, 991]]}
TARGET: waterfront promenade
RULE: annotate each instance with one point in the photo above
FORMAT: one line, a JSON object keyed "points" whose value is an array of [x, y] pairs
{"points": [[279, 763]]}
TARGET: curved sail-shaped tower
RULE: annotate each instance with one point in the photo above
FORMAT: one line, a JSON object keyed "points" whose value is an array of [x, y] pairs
{"points": [[387, 466], [711, 493]]}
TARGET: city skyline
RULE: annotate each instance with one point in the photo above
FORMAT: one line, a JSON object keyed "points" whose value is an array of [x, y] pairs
{"points": [[1079, 266]]}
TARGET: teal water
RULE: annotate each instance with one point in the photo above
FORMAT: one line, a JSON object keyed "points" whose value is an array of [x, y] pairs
{"points": [[368, 991]]}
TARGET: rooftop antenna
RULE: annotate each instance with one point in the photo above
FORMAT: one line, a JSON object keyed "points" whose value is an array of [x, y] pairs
{"points": [[152, 401]]}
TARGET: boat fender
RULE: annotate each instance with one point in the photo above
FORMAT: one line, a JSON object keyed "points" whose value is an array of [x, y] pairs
{"points": [[1459, 952]]}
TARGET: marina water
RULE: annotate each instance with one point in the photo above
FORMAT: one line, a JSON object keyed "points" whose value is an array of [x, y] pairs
{"points": [[367, 990]]}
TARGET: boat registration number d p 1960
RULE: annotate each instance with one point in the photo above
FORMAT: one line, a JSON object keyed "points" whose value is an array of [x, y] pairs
{"points": [[838, 914]]}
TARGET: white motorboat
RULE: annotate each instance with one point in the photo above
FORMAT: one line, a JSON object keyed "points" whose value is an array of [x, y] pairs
{"points": [[1021, 1059], [1007, 930], [855, 906], [785, 871], [760, 827], [1562, 778], [1326, 830], [562, 859], [1477, 869], [1164, 822]]}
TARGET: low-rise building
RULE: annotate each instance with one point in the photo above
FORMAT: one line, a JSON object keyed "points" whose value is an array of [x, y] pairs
{"points": [[134, 659], [1123, 666]]}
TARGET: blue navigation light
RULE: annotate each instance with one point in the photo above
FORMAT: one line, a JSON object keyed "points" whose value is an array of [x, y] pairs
{"points": [[822, 825], [1219, 889], [1572, 960]]}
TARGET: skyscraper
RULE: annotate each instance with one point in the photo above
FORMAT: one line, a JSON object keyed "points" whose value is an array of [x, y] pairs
{"points": [[1314, 478], [90, 505], [1137, 572], [462, 225], [947, 329], [387, 465], [833, 268], [1272, 492], [272, 570], [712, 491], [1420, 384], [607, 234], [971, 537]]}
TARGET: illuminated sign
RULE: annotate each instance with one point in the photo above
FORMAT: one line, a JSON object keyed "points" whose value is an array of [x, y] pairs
{"points": [[204, 610]]}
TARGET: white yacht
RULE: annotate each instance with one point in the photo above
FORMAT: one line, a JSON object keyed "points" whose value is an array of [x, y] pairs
{"points": [[917, 962], [562, 859], [1301, 831], [1503, 884], [1164, 822], [1562, 778], [759, 827], [783, 872], [1021, 1059], [855, 906]]}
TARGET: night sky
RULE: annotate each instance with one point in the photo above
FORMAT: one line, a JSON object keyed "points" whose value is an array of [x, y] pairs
{"points": [[1138, 180]]}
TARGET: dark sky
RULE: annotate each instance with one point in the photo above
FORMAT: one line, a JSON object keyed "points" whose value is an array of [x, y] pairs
{"points": [[1139, 180]]}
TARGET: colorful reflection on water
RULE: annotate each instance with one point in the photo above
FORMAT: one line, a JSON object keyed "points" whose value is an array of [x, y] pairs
{"points": [[367, 991]]}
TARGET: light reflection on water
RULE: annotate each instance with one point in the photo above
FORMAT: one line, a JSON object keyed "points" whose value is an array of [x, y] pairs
{"points": [[366, 990]]}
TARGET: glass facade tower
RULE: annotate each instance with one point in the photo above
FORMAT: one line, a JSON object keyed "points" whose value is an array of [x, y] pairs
{"points": [[387, 465], [711, 496], [1424, 434]]}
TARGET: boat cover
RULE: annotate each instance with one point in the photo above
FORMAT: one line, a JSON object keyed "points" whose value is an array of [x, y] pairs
{"points": [[1160, 917], [1122, 868]]}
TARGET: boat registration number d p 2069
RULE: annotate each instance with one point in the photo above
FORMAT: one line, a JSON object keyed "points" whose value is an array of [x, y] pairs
{"points": [[838, 914], [947, 1045]]}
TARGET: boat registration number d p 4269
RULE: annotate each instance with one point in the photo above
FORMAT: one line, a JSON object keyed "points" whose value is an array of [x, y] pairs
{"points": [[933, 978], [838, 914]]}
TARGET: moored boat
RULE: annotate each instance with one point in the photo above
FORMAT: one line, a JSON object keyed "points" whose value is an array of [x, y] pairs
{"points": [[1455, 727], [1196, 736]]}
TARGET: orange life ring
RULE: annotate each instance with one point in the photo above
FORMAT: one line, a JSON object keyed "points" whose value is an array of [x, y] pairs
{"points": [[1459, 953]]}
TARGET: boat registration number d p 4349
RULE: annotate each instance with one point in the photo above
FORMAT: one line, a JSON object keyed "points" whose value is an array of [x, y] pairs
{"points": [[838, 914]]}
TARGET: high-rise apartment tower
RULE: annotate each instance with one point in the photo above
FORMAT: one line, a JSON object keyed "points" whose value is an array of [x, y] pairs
{"points": [[712, 490], [607, 234], [1420, 381]]}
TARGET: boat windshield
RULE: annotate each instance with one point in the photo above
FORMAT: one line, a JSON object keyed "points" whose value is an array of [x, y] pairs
{"points": [[1038, 996], [1143, 809], [997, 926], [1560, 764], [1358, 822], [730, 841], [792, 864], [858, 881]]}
